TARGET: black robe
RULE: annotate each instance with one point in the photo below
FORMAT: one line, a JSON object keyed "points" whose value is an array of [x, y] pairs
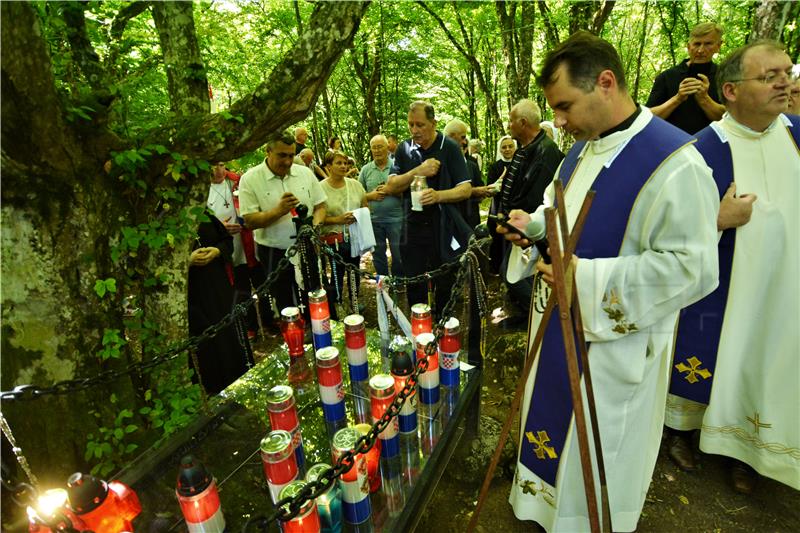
{"points": [[222, 359]]}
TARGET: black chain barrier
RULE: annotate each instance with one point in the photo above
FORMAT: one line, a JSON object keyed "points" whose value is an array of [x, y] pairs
{"points": [[287, 508], [32, 392]]}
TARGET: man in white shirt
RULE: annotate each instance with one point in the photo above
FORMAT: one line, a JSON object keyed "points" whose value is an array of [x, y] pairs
{"points": [[648, 248], [268, 196]]}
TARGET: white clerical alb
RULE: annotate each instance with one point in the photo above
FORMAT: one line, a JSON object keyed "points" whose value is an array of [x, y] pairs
{"points": [[629, 306]]}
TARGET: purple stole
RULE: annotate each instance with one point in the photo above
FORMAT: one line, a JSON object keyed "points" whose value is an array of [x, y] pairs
{"points": [[700, 324], [617, 187]]}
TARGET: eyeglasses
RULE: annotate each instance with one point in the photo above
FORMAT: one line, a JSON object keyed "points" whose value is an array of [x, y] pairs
{"points": [[791, 76]]}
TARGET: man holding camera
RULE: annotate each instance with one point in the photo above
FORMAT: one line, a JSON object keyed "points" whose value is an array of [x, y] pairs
{"points": [[686, 95], [269, 194]]}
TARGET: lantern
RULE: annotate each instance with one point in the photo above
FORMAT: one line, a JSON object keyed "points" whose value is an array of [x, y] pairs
{"points": [[421, 319], [429, 380], [198, 497], [320, 318], [279, 461], [307, 519], [283, 415]]}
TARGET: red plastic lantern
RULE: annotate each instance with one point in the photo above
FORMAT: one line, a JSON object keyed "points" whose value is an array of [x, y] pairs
{"points": [[103, 507]]}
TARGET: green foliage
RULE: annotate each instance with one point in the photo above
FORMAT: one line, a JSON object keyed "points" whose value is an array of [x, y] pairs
{"points": [[110, 446], [173, 404], [112, 344], [103, 286]]}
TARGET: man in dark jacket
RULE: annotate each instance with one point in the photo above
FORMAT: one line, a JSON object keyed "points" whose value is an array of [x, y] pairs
{"points": [[531, 171]]}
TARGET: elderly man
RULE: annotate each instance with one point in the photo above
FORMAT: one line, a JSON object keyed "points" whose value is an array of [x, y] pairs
{"points": [[386, 211], [268, 193], [532, 169], [743, 337], [457, 130], [433, 234], [300, 138], [648, 249], [686, 95]]}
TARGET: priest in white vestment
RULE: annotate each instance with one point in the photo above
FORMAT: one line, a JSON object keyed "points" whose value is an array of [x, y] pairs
{"points": [[655, 189], [753, 412]]}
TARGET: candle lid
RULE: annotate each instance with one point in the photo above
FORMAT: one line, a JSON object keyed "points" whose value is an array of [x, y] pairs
{"points": [[327, 356], [293, 489], [420, 309], [345, 439], [277, 445], [451, 325], [381, 385], [354, 322], [280, 397], [290, 313], [85, 492], [317, 296], [316, 471], [193, 477], [423, 339]]}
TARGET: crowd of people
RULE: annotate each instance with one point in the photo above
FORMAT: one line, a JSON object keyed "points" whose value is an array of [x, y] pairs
{"points": [[687, 269]]}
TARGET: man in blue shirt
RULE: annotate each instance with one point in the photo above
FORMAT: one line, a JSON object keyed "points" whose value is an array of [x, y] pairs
{"points": [[386, 210], [429, 236]]}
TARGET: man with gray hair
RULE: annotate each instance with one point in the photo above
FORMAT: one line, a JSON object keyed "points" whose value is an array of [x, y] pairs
{"points": [[686, 95], [531, 171], [435, 232], [457, 130], [386, 211], [735, 367]]}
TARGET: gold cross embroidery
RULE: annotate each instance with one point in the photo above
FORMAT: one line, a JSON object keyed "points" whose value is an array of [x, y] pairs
{"points": [[757, 424], [694, 370], [541, 445]]}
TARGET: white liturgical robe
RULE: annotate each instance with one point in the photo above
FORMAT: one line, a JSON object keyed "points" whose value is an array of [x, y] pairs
{"points": [[753, 414], [668, 260]]}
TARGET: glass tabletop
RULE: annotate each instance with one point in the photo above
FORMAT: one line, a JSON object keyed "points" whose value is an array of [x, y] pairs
{"points": [[226, 440]]}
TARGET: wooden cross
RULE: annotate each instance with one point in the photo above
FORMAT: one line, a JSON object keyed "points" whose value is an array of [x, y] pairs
{"points": [[565, 296]]}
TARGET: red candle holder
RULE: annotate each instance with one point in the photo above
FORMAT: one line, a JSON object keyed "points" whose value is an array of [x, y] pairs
{"points": [[198, 497], [102, 506], [293, 330], [279, 460], [421, 319], [307, 519], [373, 458]]}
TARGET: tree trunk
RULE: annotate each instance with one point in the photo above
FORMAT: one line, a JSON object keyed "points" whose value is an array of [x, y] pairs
{"points": [[770, 19], [517, 46], [63, 212]]}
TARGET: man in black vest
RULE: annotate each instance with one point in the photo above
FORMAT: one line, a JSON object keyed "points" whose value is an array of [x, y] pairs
{"points": [[531, 171]]}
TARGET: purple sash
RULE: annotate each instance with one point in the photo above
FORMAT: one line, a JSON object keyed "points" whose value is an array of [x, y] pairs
{"points": [[617, 188], [700, 324]]}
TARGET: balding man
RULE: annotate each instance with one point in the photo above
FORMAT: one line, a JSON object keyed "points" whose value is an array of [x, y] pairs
{"points": [[307, 157], [736, 364], [457, 130], [531, 171], [386, 211]]}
